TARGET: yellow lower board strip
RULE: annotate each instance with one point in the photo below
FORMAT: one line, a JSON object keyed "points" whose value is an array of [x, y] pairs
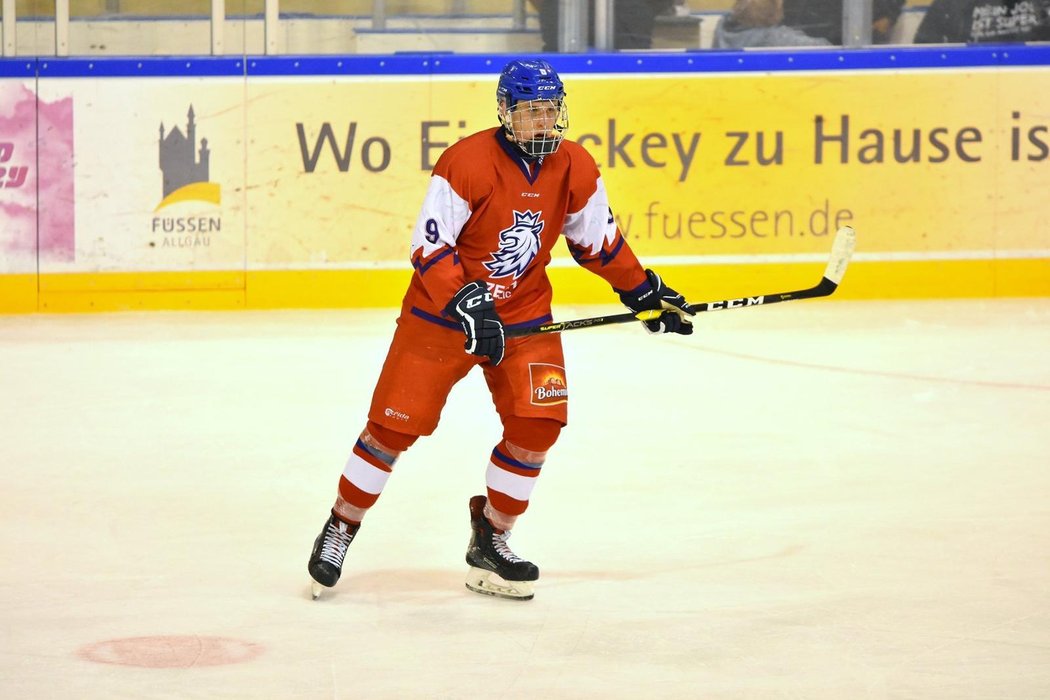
{"points": [[313, 289], [864, 280], [107, 282], [141, 291], [102, 300], [385, 288], [18, 294]]}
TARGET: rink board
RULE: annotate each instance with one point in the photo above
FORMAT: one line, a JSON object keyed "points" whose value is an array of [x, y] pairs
{"points": [[385, 288], [266, 183]]}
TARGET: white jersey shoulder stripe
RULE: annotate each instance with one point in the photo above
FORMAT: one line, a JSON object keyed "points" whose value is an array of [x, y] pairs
{"points": [[593, 225], [441, 219]]}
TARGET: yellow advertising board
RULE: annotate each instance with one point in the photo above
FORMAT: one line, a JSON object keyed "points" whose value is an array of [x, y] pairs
{"points": [[695, 166], [277, 191], [731, 179]]}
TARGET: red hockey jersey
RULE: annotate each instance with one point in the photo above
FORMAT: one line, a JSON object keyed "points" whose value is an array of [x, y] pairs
{"points": [[492, 215]]}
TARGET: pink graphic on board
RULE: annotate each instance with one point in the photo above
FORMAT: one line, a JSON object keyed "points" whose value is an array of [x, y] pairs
{"points": [[36, 177]]}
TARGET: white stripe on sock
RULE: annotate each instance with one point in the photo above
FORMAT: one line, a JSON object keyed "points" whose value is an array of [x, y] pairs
{"points": [[364, 476], [514, 485]]}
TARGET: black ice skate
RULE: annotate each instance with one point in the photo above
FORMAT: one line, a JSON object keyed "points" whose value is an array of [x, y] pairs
{"points": [[494, 569], [326, 561]]}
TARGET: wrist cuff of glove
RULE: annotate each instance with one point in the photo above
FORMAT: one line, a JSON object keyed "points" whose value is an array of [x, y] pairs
{"points": [[641, 298], [636, 292]]}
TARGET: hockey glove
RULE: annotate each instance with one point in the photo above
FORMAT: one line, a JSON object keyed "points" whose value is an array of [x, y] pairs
{"points": [[654, 295], [474, 308]]}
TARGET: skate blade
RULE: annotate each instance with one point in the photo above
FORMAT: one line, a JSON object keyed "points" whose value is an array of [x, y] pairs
{"points": [[315, 589], [489, 583]]}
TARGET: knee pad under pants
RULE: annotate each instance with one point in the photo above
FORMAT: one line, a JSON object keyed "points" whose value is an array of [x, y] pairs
{"points": [[532, 434]]}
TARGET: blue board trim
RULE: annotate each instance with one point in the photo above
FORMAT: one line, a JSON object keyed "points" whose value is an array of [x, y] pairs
{"points": [[145, 66], [423, 64], [18, 68]]}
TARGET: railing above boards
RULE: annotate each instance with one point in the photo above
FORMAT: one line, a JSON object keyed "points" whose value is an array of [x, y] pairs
{"points": [[218, 44]]}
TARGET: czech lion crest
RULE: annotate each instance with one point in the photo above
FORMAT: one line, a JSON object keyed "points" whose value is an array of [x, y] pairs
{"points": [[518, 246]]}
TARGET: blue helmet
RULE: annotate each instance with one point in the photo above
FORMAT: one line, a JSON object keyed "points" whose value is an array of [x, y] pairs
{"points": [[531, 100], [528, 80]]}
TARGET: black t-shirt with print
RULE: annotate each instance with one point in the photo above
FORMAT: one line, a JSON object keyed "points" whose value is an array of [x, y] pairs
{"points": [[985, 21]]}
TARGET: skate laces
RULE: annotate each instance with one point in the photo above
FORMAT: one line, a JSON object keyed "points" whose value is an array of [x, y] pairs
{"points": [[335, 543], [499, 541]]}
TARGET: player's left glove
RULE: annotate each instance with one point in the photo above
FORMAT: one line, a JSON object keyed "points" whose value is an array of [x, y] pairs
{"points": [[654, 295], [475, 310]]}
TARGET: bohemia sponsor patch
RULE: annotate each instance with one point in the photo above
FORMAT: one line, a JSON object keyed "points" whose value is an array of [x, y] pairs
{"points": [[548, 384]]}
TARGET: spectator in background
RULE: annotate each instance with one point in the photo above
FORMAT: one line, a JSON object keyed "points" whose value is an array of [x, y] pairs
{"points": [[823, 18], [753, 23], [633, 22], [983, 21]]}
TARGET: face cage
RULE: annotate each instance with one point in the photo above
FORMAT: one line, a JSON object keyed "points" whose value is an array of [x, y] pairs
{"points": [[537, 126]]}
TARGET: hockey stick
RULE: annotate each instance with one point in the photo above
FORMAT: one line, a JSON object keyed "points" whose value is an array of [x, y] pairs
{"points": [[841, 250]]}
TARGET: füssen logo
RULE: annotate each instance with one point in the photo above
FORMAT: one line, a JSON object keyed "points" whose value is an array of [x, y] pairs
{"points": [[548, 384], [185, 168], [519, 245]]}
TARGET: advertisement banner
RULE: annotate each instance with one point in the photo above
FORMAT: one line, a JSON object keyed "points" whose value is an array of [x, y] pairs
{"points": [[159, 174], [137, 183], [36, 178], [338, 169], [696, 166]]}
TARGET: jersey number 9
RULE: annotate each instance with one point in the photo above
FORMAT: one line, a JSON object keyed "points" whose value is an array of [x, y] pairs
{"points": [[432, 231]]}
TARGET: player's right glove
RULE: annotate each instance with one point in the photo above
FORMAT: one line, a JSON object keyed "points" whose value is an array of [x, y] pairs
{"points": [[475, 309], [654, 295]]}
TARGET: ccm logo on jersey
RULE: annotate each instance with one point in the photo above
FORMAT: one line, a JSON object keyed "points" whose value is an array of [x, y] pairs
{"points": [[530, 194], [548, 384]]}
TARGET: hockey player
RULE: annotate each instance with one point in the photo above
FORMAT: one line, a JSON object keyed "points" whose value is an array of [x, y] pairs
{"points": [[496, 204]]}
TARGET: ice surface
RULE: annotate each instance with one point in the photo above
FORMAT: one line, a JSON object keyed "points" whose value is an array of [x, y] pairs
{"points": [[818, 500]]}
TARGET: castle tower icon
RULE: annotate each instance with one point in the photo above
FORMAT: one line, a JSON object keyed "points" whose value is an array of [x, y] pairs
{"points": [[179, 162]]}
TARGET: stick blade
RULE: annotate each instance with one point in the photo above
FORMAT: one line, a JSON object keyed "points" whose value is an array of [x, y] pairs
{"points": [[841, 252]]}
